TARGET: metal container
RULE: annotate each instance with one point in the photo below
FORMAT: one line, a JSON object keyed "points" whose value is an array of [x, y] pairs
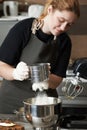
{"points": [[44, 115], [39, 72]]}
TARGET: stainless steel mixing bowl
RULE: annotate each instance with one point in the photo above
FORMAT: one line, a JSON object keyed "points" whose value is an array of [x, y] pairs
{"points": [[44, 114]]}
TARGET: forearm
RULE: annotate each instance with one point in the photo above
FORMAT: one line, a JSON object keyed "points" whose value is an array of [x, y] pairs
{"points": [[54, 81], [6, 71]]}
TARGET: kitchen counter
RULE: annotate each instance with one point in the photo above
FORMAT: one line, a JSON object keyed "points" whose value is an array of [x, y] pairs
{"points": [[26, 125], [15, 119], [13, 18]]}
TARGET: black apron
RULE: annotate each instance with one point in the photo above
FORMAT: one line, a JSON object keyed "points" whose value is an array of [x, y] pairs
{"points": [[12, 93]]}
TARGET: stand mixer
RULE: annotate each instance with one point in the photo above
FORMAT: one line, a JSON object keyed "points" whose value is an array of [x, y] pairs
{"points": [[73, 85], [42, 112]]}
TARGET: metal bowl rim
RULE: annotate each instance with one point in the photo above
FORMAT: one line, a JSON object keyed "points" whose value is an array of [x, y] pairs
{"points": [[26, 101]]}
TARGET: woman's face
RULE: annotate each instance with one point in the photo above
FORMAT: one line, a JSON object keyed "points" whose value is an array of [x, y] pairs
{"points": [[58, 22]]}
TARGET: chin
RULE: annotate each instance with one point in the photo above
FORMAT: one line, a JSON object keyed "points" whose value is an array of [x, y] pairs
{"points": [[56, 33]]}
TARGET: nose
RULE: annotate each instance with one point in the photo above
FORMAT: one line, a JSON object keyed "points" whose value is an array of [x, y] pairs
{"points": [[63, 26]]}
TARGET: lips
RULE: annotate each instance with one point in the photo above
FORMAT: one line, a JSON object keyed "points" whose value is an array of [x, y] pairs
{"points": [[57, 32]]}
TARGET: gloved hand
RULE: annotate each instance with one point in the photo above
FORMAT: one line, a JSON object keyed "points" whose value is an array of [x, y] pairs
{"points": [[21, 72], [40, 86]]}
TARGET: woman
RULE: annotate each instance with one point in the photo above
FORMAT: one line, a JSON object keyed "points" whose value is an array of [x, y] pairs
{"points": [[32, 41]]}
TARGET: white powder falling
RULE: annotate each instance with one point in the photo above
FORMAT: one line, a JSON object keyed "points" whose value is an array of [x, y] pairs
{"points": [[40, 86], [42, 99]]}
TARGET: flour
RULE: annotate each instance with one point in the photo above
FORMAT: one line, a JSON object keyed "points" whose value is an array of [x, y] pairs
{"points": [[42, 99], [40, 86]]}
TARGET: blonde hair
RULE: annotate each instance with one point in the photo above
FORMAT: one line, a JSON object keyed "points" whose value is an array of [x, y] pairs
{"points": [[69, 5]]}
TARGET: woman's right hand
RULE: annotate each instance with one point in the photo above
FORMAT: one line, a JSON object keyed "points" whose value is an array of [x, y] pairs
{"points": [[21, 72]]}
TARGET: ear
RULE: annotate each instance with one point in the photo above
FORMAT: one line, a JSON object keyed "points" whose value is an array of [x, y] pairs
{"points": [[50, 9]]}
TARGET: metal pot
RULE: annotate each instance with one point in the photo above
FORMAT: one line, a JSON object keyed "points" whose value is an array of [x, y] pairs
{"points": [[42, 115]]}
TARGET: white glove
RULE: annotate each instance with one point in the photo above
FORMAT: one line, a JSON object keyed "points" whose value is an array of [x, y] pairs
{"points": [[21, 72], [40, 86]]}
